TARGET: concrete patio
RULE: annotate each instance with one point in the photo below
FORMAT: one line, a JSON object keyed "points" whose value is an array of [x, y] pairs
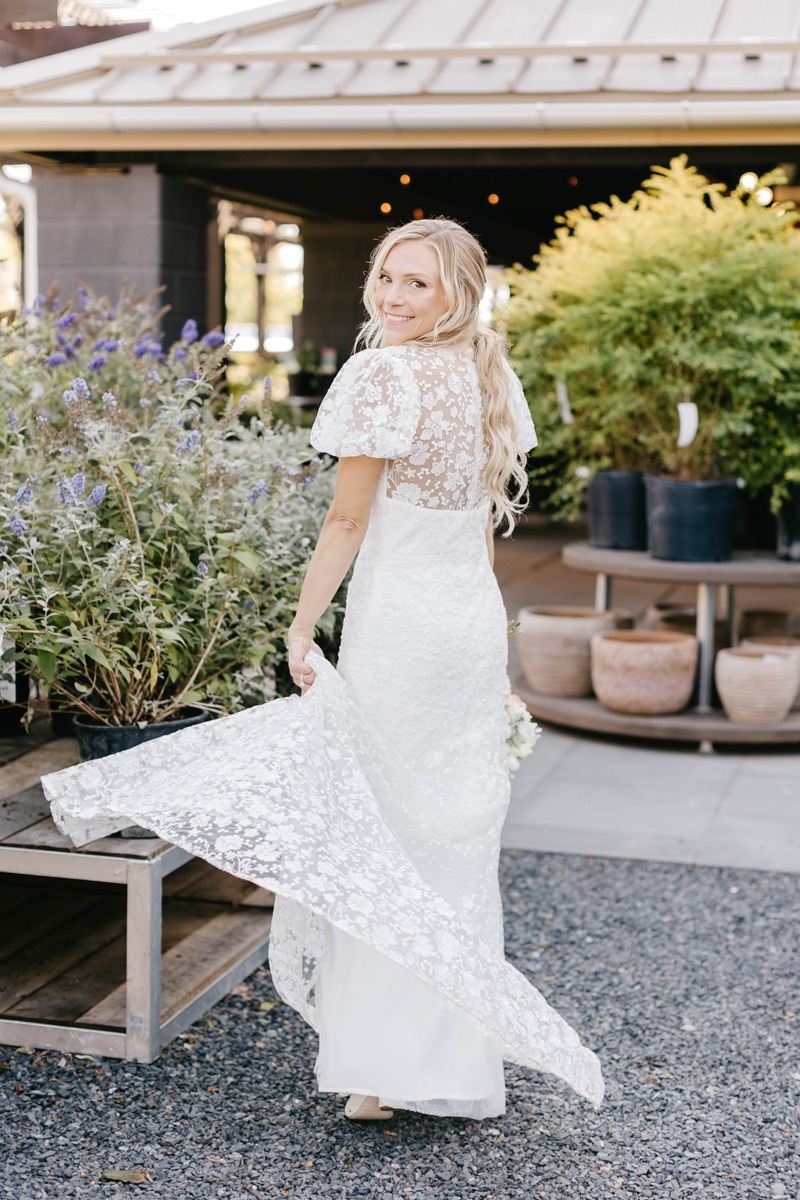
{"points": [[591, 794]]}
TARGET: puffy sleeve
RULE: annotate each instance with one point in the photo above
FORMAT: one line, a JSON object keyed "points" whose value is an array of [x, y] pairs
{"points": [[526, 433], [372, 407]]}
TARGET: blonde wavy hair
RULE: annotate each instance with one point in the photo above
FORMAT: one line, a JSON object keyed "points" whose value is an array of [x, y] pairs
{"points": [[462, 268]]}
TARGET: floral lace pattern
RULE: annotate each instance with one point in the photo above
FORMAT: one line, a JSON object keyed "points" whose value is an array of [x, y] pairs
{"points": [[284, 795], [420, 407]]}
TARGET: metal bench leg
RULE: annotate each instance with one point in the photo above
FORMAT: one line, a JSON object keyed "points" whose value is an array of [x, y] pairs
{"points": [[143, 989], [705, 636], [602, 592]]}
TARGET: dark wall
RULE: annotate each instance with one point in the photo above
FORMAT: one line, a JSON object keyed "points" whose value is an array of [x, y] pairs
{"points": [[183, 251], [335, 266], [133, 226]]}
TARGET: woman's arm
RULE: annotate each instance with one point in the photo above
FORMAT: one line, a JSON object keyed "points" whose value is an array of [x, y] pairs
{"points": [[341, 536]]}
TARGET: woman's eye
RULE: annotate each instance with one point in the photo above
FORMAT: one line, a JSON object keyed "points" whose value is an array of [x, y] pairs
{"points": [[417, 283], [383, 279]]}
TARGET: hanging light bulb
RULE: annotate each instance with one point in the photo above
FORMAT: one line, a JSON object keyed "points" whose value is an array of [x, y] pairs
{"points": [[405, 180], [386, 207], [418, 214], [748, 181], [493, 198], [763, 195]]}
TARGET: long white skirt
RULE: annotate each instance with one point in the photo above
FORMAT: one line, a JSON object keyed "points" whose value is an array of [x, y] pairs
{"points": [[373, 808]]}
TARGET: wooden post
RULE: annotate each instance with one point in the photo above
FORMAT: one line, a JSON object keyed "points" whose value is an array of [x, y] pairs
{"points": [[143, 988]]}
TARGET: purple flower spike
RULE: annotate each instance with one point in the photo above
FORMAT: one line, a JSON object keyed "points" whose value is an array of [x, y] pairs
{"points": [[17, 526], [109, 400], [189, 443], [249, 605], [81, 388], [97, 362], [202, 569], [66, 320], [25, 493], [55, 360], [78, 483], [190, 332], [97, 495], [213, 339], [257, 490], [181, 352], [66, 492], [12, 420]]}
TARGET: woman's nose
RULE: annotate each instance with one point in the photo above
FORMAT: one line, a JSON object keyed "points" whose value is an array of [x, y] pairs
{"points": [[394, 295]]}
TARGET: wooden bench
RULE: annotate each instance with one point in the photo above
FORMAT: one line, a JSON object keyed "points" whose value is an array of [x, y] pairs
{"points": [[115, 948]]}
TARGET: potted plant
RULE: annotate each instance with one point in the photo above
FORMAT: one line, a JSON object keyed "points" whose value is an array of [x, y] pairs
{"points": [[153, 545], [304, 379], [684, 295]]}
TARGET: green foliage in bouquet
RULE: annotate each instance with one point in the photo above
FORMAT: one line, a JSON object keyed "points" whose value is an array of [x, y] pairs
{"points": [[152, 544], [683, 292]]}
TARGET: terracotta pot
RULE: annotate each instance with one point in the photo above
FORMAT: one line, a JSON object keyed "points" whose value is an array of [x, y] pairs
{"points": [[554, 647], [643, 671], [788, 645], [769, 622], [757, 687]]}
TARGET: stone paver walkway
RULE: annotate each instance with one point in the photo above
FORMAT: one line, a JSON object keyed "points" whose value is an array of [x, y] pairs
{"points": [[587, 794]]}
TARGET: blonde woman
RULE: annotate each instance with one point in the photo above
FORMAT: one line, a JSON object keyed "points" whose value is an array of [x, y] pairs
{"points": [[431, 429], [373, 804]]}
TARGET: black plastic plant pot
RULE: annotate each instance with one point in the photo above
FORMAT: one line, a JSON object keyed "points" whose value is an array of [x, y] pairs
{"points": [[98, 741], [789, 526], [690, 520], [617, 510]]}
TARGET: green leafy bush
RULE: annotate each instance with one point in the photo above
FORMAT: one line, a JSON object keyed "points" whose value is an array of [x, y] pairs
{"points": [[153, 545], [684, 292]]}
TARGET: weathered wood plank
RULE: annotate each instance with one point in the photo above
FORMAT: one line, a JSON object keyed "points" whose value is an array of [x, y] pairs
{"points": [[198, 880], [15, 891], [60, 949], [85, 984], [27, 769], [22, 810], [16, 747], [175, 883], [43, 835], [188, 967], [44, 912]]}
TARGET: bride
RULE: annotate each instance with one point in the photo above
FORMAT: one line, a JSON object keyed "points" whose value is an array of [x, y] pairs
{"points": [[373, 805]]}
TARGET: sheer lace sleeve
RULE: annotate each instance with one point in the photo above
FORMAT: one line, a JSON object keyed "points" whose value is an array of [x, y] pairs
{"points": [[526, 433], [372, 408]]}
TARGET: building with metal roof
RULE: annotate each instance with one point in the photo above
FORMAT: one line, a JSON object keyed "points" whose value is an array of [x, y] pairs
{"points": [[499, 112]]}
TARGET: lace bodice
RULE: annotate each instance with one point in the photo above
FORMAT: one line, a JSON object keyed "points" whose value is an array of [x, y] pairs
{"points": [[421, 407]]}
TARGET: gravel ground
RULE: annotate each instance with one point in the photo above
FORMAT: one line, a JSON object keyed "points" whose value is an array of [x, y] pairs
{"points": [[684, 979]]}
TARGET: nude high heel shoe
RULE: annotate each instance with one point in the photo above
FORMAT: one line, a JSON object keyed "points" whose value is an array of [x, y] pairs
{"points": [[366, 1108]]}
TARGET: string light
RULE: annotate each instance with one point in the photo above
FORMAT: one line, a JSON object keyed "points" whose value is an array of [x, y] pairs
{"points": [[763, 195], [493, 198], [386, 207], [748, 181], [573, 181], [418, 214], [405, 180]]}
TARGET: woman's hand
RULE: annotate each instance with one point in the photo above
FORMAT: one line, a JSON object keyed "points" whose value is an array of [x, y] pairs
{"points": [[299, 644]]}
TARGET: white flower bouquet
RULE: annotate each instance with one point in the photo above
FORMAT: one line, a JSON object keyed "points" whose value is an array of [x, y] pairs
{"points": [[523, 733]]}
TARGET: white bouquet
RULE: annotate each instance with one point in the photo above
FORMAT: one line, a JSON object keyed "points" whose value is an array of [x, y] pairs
{"points": [[523, 733]]}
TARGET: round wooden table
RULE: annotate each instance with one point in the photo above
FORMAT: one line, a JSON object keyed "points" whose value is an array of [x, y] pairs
{"points": [[710, 578]]}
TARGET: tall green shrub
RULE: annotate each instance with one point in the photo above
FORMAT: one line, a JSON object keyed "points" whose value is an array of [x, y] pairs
{"points": [[686, 291]]}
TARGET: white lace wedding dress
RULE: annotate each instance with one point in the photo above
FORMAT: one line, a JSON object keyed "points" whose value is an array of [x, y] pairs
{"points": [[373, 805]]}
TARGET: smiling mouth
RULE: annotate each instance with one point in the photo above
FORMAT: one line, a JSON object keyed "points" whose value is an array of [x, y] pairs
{"points": [[396, 317]]}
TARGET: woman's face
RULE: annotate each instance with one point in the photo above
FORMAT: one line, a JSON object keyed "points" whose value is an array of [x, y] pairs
{"points": [[409, 296]]}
